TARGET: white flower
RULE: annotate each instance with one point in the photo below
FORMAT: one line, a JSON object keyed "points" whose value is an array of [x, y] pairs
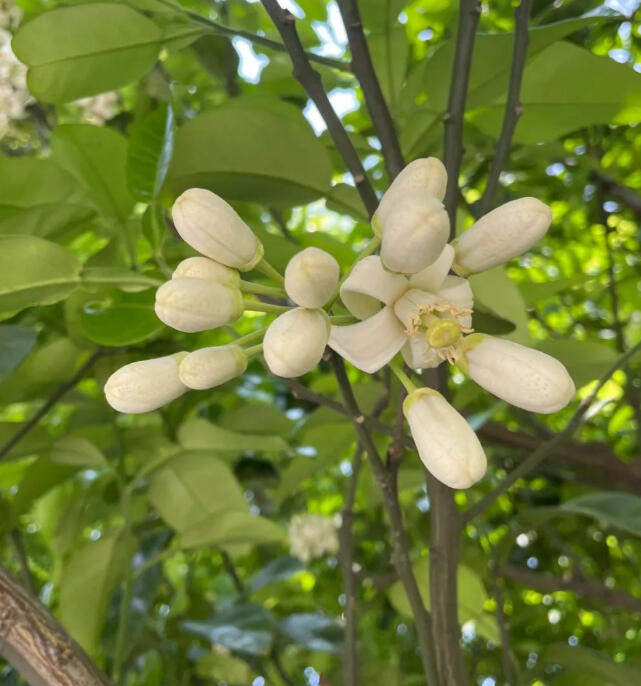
{"points": [[190, 305], [446, 443], [211, 367], [312, 536], [504, 233], [97, 109], [311, 276], [295, 341], [426, 175], [145, 386], [414, 232], [10, 15], [14, 95], [204, 268], [213, 228], [424, 316], [521, 376]]}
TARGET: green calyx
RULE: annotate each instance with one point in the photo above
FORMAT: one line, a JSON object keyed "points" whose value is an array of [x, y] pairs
{"points": [[416, 395], [376, 226], [258, 256], [468, 343]]}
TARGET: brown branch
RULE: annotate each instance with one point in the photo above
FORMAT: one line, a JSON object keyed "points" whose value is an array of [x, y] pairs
{"points": [[626, 195], [37, 646], [549, 447], [586, 588], [49, 403], [509, 675], [388, 486], [312, 83], [513, 107], [363, 68]]}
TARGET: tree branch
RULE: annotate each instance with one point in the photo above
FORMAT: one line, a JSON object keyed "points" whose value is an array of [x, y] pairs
{"points": [[587, 588], [311, 81], [37, 646], [49, 403], [548, 447], [363, 68], [513, 107], [469, 12], [388, 486]]}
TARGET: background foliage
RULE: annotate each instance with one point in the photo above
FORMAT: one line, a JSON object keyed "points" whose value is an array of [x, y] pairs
{"points": [[160, 541]]}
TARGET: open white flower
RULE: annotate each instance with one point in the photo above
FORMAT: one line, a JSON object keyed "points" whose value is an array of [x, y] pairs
{"points": [[424, 316]]}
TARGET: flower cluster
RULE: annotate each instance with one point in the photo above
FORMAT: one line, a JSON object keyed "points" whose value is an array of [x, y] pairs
{"points": [[97, 109], [14, 96], [312, 536], [414, 298]]}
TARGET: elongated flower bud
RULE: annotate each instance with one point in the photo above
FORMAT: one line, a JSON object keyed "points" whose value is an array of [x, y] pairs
{"points": [[204, 268], [425, 176], [197, 304], [415, 231], [504, 233], [311, 276], [146, 385], [295, 341], [211, 367], [213, 228], [446, 443], [521, 376]]}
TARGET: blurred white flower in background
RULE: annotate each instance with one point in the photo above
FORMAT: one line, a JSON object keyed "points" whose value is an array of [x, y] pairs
{"points": [[14, 96], [98, 109], [312, 536]]}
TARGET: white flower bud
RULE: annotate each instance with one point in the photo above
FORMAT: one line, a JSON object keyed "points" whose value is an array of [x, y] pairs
{"points": [[295, 341], [213, 228], [311, 276], [204, 268], [415, 231], [426, 176], [504, 233], [446, 443], [521, 376], [197, 304], [146, 385], [211, 367]]}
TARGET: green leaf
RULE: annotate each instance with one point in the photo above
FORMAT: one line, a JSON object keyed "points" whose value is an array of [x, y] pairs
{"points": [[77, 451], [557, 101], [279, 569], [38, 197], [96, 157], [39, 478], [190, 485], [199, 434], [120, 277], [115, 318], [585, 360], [390, 51], [471, 598], [229, 527], [151, 147], [534, 293], [252, 418], [621, 510], [498, 294], [592, 663], [88, 580], [34, 271], [16, 342], [243, 627], [314, 631], [345, 199], [218, 666], [251, 149], [78, 51]]}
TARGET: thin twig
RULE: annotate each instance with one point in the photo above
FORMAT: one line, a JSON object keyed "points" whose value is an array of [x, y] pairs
{"points": [[363, 68], [346, 557], [312, 83], [509, 675], [402, 560], [49, 403], [469, 12], [548, 447], [513, 106]]}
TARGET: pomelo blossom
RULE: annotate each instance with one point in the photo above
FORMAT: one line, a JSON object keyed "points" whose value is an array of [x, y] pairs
{"points": [[97, 109], [14, 95], [312, 536]]}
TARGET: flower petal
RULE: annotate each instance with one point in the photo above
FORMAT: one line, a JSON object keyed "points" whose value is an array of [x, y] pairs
{"points": [[370, 344], [370, 284], [418, 354], [431, 278], [457, 291]]}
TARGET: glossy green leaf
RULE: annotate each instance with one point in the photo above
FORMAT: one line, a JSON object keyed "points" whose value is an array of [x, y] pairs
{"points": [[120, 277], [34, 271], [39, 478], [88, 580], [78, 51], [230, 527], [314, 631], [620, 510], [198, 434], [279, 569], [237, 151], [253, 418], [16, 342], [471, 597], [151, 146], [585, 360], [77, 451]]}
